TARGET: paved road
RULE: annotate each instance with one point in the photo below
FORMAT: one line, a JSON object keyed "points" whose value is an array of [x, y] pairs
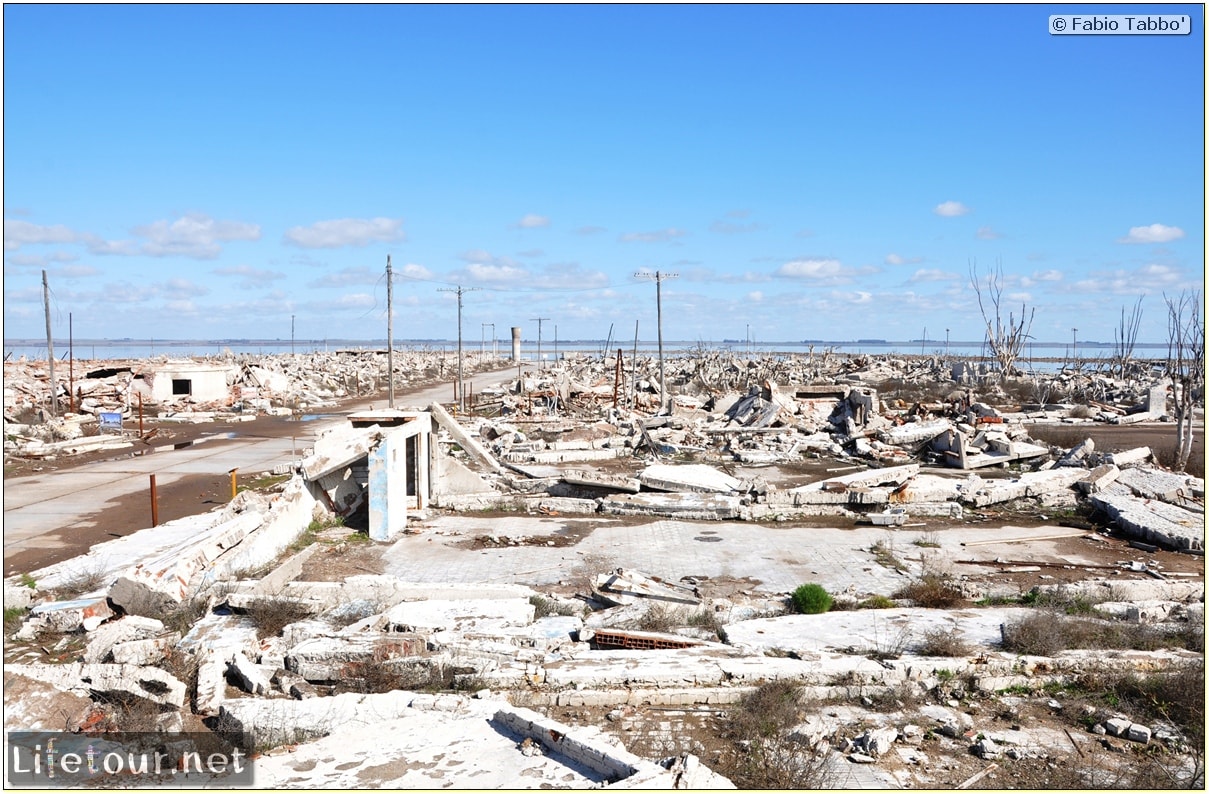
{"points": [[43, 503]]}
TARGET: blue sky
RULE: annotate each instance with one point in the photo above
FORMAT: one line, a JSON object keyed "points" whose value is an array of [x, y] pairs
{"points": [[826, 172]]}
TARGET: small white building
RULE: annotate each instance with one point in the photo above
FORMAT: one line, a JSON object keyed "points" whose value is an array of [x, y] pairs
{"points": [[175, 380]]}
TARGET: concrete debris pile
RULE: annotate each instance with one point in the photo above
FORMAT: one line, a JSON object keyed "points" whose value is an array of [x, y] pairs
{"points": [[1147, 503], [99, 403]]}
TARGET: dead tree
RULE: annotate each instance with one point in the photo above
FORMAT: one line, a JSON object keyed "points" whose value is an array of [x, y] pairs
{"points": [[1185, 367], [1125, 336], [1005, 339]]}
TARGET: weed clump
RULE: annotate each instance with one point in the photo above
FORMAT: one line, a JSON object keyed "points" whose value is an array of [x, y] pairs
{"points": [[811, 599]]}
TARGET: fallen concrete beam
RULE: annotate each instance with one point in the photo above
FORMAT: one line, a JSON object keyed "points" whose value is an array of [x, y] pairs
{"points": [[705, 507], [1129, 456], [464, 439], [835, 490], [914, 432]]}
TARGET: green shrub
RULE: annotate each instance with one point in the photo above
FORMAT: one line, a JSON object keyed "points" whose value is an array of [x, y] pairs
{"points": [[811, 599]]}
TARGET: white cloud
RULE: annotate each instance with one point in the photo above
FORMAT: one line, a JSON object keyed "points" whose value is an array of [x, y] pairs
{"points": [[932, 274], [756, 296], [411, 270], [349, 275], [661, 236], [497, 273], [76, 271], [181, 288], [251, 277], [40, 260], [1048, 275], [951, 209], [811, 268], [1154, 233], [18, 233], [532, 221], [895, 259], [100, 247], [860, 297], [355, 300], [347, 232], [195, 236], [987, 233]]}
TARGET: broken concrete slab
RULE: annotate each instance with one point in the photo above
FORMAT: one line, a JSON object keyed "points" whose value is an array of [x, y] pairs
{"points": [[340, 448], [1036, 483], [130, 627], [156, 585], [80, 613], [1099, 478], [337, 658], [1166, 486], [250, 677], [1151, 520], [596, 479], [689, 478], [623, 587], [149, 683], [703, 506]]}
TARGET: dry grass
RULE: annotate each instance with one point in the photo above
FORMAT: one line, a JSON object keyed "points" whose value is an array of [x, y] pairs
{"points": [[271, 615], [1046, 633], [944, 642], [931, 590]]}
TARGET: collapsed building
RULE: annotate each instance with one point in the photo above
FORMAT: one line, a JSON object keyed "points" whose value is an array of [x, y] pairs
{"points": [[350, 651]]}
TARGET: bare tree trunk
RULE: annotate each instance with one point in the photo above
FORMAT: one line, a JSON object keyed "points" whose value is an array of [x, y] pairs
{"points": [[1185, 367], [1005, 338]]}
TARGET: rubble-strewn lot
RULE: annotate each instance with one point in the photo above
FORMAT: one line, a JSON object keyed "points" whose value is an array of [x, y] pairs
{"points": [[608, 588]]}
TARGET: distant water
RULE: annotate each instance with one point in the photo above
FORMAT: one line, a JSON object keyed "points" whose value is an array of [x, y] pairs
{"points": [[139, 349]]}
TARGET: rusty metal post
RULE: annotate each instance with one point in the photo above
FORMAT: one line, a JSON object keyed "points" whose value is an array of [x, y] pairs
{"points": [[155, 509], [140, 414], [234, 474]]}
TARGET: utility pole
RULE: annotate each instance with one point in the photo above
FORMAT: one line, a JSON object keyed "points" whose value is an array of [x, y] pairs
{"points": [[1074, 349], [658, 278], [461, 385], [390, 336], [495, 345], [539, 340], [71, 366], [482, 339], [50, 347], [946, 343]]}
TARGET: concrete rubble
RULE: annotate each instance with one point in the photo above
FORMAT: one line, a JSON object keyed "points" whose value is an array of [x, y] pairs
{"points": [[181, 617]]}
